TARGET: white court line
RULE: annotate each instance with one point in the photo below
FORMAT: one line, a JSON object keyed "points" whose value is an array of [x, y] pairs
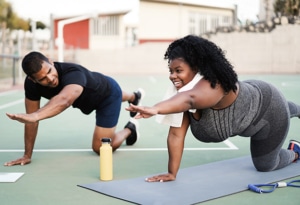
{"points": [[230, 145], [11, 104]]}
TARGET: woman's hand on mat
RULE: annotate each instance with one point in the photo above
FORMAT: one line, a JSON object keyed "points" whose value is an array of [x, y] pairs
{"points": [[22, 161], [24, 118], [143, 112], [161, 178]]}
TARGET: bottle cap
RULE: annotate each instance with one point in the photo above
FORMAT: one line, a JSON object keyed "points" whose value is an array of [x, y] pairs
{"points": [[106, 140]]}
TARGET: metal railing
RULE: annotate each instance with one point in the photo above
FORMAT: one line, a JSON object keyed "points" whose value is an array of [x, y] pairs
{"points": [[9, 68]]}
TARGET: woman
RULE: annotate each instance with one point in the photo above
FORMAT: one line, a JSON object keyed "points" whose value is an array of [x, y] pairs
{"points": [[224, 107]]}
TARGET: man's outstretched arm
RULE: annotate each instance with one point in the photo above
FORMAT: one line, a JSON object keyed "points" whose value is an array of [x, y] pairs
{"points": [[30, 133], [56, 105]]}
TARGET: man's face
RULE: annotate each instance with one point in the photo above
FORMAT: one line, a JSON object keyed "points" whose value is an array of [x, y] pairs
{"points": [[47, 76]]}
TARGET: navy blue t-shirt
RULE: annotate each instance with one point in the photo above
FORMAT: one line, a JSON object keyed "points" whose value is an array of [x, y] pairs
{"points": [[95, 85]]}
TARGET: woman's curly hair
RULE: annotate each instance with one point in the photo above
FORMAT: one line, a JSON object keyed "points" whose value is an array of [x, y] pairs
{"points": [[206, 58]]}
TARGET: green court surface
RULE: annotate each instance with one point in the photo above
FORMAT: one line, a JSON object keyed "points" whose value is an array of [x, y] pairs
{"points": [[63, 157]]}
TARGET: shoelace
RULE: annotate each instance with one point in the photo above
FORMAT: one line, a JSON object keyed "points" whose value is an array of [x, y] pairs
{"points": [[257, 187]]}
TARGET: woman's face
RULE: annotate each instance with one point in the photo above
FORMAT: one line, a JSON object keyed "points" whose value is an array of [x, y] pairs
{"points": [[180, 73]]}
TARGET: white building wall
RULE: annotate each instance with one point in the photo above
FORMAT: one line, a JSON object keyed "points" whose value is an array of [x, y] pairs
{"points": [[275, 52], [168, 21], [158, 21], [266, 10], [162, 20], [108, 41]]}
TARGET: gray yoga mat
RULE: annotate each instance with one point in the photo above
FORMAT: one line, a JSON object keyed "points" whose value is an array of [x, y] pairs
{"points": [[194, 184]]}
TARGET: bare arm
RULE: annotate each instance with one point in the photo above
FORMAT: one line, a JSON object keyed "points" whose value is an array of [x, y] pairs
{"points": [[34, 113], [176, 145], [56, 105], [176, 138], [200, 97], [60, 102], [30, 134]]}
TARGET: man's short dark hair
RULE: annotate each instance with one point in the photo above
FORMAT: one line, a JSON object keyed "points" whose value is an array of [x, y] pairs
{"points": [[32, 63]]}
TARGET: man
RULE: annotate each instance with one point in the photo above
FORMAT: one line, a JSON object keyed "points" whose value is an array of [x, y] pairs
{"points": [[66, 84]]}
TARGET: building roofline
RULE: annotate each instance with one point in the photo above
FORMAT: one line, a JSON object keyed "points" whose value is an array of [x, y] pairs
{"points": [[102, 13], [191, 3]]}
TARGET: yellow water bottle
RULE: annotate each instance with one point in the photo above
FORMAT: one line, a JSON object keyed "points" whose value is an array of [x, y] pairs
{"points": [[106, 161]]}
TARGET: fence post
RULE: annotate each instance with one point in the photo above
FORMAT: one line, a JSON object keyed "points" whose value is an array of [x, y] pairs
{"points": [[14, 70], [15, 58]]}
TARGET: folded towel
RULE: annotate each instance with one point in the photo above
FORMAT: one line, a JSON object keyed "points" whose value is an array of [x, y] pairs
{"points": [[175, 120]]}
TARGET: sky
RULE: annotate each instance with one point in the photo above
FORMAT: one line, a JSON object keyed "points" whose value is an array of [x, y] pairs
{"points": [[40, 10]]}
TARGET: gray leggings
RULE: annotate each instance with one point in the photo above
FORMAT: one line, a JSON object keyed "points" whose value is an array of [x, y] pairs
{"points": [[270, 129]]}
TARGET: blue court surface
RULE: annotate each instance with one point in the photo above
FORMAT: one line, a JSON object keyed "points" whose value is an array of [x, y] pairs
{"points": [[63, 157]]}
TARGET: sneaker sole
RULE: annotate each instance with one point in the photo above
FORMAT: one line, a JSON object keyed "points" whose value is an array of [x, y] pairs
{"points": [[295, 142], [136, 123], [143, 93]]}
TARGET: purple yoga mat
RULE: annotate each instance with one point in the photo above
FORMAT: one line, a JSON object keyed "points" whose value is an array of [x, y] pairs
{"points": [[194, 184]]}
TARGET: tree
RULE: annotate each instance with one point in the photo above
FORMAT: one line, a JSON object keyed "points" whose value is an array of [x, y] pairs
{"points": [[9, 19], [287, 7], [292, 7], [279, 7], [12, 21], [5, 8], [39, 25]]}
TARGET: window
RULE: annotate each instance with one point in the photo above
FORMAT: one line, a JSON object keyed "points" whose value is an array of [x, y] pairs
{"points": [[200, 23], [215, 22], [192, 20], [226, 20], [106, 26]]}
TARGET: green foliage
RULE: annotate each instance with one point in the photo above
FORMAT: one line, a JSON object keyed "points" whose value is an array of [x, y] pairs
{"points": [[39, 25], [292, 7], [5, 10], [17, 23], [12, 20], [279, 7], [287, 7]]}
